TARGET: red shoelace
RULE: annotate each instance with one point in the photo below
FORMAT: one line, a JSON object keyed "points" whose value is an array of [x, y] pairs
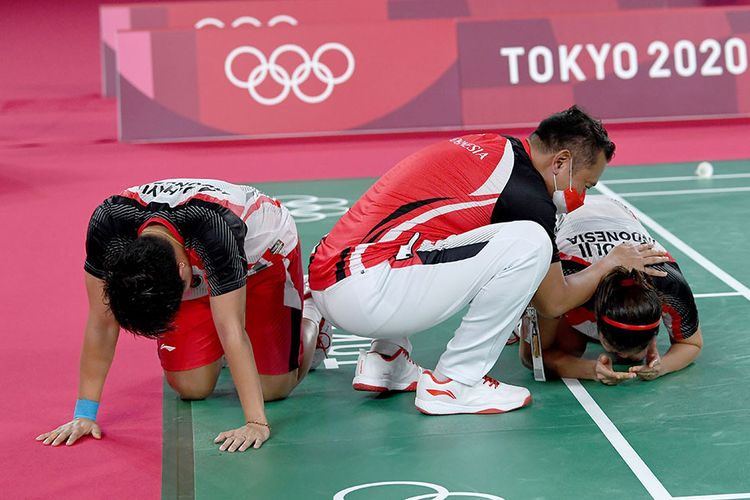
{"points": [[324, 340], [490, 381], [408, 357]]}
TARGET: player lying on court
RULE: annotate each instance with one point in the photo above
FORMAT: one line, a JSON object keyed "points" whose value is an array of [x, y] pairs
{"points": [[468, 221], [626, 310], [206, 268]]}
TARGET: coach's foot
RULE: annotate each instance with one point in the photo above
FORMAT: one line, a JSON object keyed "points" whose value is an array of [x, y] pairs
{"points": [[324, 334], [435, 397], [379, 373], [323, 344]]}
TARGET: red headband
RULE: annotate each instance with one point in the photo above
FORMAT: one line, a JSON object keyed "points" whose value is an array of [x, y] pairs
{"points": [[625, 326], [628, 282]]}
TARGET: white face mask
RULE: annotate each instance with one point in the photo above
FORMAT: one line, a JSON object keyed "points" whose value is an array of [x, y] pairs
{"points": [[569, 199]]}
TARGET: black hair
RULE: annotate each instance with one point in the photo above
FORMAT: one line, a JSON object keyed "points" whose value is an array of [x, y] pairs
{"points": [[576, 130], [627, 297], [143, 287]]}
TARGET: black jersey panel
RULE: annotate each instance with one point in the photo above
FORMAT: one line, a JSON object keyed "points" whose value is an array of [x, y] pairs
{"points": [[525, 197], [215, 233], [678, 302]]}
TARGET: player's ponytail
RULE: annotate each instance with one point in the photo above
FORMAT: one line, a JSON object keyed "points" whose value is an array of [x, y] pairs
{"points": [[628, 310]]}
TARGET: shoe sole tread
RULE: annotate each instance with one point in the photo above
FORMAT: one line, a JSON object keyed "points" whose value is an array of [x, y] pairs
{"points": [[360, 386]]}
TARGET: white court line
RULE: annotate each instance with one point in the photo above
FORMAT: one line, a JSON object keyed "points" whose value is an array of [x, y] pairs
{"points": [[666, 235], [334, 361], [676, 192], [718, 294], [632, 459], [731, 496], [677, 179]]}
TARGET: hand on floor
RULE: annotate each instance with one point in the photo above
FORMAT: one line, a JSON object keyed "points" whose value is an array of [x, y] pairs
{"points": [[242, 438], [71, 432]]}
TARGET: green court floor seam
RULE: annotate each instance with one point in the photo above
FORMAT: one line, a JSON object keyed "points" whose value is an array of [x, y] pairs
{"points": [[178, 469]]}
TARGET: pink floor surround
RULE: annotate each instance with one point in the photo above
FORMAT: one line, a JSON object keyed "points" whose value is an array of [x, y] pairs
{"points": [[59, 158]]}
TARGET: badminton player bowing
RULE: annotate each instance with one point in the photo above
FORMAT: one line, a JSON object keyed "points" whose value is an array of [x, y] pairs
{"points": [[468, 221], [206, 268], [627, 308]]}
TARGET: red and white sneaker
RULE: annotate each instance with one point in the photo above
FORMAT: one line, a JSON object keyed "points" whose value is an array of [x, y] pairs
{"points": [[451, 397], [323, 345], [379, 373], [325, 329]]}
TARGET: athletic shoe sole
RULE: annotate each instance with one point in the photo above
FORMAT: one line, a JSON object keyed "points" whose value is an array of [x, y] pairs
{"points": [[362, 384], [441, 408]]}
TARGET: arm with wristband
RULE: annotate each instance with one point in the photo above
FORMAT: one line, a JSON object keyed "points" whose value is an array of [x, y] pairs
{"points": [[100, 340]]}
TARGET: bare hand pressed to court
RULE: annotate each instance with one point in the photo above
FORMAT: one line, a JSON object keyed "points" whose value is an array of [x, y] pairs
{"points": [[242, 438], [71, 432], [607, 375]]}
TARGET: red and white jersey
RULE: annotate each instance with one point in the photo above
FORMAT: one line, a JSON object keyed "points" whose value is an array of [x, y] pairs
{"points": [[446, 189], [229, 231], [587, 235]]}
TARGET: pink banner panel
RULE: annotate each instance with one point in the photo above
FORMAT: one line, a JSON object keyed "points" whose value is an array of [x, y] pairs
{"points": [[245, 15], [308, 80], [435, 74], [249, 14], [497, 9], [625, 66]]}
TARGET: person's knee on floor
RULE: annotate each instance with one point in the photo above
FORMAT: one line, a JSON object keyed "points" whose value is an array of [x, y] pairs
{"points": [[195, 384], [276, 387], [192, 390]]}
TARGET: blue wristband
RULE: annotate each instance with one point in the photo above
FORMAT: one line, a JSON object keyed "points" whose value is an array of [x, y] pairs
{"points": [[85, 408]]}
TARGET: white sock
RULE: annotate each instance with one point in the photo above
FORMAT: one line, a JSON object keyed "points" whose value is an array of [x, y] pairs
{"points": [[440, 376]]}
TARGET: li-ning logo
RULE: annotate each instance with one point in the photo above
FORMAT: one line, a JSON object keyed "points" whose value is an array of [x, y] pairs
{"points": [[246, 21], [289, 81], [436, 393]]}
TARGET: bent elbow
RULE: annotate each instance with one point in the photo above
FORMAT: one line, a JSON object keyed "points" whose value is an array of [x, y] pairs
{"points": [[549, 310]]}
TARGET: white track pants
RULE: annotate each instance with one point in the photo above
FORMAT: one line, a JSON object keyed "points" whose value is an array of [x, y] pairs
{"points": [[498, 282]]}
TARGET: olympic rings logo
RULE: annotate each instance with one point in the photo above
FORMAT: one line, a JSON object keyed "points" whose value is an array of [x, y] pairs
{"points": [[290, 82], [308, 208], [440, 493], [246, 20]]}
